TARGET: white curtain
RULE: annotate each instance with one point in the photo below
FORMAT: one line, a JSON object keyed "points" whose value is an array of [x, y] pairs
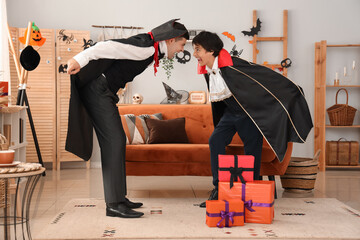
{"points": [[4, 45]]}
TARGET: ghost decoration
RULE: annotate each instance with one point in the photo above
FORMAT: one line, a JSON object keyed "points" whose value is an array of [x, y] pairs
{"points": [[137, 98]]}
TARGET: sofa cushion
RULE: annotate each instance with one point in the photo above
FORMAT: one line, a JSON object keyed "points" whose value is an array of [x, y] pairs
{"points": [[135, 128], [167, 131], [167, 153]]}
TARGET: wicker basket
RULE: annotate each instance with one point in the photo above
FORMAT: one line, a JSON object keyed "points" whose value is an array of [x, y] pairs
{"points": [[301, 174], [341, 114], [2, 193], [344, 153]]}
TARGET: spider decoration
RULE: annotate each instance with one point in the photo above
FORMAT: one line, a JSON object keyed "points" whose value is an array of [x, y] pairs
{"points": [[64, 37], [235, 53], [88, 43]]}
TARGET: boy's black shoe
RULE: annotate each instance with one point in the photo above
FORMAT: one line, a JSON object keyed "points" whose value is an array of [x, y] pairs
{"points": [[213, 196]]}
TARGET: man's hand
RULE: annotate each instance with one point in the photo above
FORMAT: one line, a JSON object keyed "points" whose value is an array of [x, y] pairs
{"points": [[73, 66]]}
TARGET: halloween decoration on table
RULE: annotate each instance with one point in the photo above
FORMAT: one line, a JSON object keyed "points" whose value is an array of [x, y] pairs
{"points": [[253, 30], [63, 68], [137, 98], [62, 36], [229, 35], [35, 37], [183, 57], [235, 53], [88, 43], [174, 97], [29, 58]]}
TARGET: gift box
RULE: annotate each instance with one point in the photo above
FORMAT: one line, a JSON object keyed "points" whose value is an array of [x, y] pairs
{"points": [[226, 213], [234, 168], [258, 198]]}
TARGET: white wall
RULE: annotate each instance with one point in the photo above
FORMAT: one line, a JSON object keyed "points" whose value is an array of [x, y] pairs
{"points": [[309, 21]]}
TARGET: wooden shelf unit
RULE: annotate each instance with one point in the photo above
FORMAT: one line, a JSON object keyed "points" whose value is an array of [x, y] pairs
{"points": [[320, 103]]}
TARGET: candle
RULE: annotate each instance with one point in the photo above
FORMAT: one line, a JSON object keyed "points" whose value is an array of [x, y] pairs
{"points": [[337, 75], [344, 71], [353, 66]]}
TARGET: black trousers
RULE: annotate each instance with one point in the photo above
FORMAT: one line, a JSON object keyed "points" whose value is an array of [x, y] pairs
{"points": [[224, 132], [100, 103]]}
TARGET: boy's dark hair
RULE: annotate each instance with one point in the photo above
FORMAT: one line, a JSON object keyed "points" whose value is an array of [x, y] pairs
{"points": [[181, 27], [209, 41]]}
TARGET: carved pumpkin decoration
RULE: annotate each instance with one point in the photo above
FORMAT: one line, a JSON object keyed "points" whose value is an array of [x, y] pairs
{"points": [[35, 38]]}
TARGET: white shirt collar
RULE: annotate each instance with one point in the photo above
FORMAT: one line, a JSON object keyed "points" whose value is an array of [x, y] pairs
{"points": [[163, 48], [214, 67]]}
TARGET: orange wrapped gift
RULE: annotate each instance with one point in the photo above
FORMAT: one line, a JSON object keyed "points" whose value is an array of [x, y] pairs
{"points": [[258, 197], [224, 213]]}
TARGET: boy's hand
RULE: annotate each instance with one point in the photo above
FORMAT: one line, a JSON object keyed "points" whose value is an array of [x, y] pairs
{"points": [[73, 66]]}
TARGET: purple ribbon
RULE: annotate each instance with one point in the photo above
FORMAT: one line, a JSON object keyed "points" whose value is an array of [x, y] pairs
{"points": [[249, 204], [225, 215]]}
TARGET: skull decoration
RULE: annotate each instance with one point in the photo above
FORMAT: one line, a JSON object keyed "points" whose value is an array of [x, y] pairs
{"points": [[137, 98], [183, 57]]}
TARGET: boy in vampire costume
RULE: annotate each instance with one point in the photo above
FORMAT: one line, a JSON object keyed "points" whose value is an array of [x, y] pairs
{"points": [[97, 73], [252, 100]]}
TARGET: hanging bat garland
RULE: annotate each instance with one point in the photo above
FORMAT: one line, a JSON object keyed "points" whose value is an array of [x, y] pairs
{"points": [[235, 53], [229, 35], [64, 37], [253, 30], [63, 68], [88, 43], [183, 57]]}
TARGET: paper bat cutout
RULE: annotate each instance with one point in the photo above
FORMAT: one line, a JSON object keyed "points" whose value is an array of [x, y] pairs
{"points": [[253, 30], [229, 35]]}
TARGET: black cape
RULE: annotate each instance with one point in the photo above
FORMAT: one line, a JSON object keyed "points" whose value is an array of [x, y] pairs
{"points": [[275, 104]]}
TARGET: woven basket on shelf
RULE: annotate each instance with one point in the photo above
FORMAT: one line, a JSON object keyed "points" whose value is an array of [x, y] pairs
{"points": [[301, 174], [341, 114]]}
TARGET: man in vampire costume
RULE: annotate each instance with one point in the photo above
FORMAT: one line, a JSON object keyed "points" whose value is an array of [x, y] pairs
{"points": [[97, 73], [252, 100]]}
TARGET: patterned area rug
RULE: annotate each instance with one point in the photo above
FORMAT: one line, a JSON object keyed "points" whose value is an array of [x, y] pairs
{"points": [[295, 218]]}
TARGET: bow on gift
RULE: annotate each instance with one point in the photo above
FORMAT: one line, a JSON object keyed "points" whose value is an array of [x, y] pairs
{"points": [[226, 216], [235, 173], [248, 205]]}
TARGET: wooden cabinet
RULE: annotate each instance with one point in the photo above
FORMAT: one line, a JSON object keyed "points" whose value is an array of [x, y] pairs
{"points": [[49, 92], [322, 88]]}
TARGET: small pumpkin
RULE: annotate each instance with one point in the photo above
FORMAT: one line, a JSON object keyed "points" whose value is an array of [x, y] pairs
{"points": [[35, 38]]}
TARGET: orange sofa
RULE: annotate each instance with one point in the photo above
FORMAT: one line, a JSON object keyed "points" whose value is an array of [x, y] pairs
{"points": [[192, 158]]}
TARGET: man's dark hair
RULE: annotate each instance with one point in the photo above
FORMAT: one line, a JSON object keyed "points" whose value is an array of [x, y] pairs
{"points": [[181, 27], [209, 41]]}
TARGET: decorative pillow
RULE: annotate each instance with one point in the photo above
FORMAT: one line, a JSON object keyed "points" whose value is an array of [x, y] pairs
{"points": [[167, 131], [135, 128]]}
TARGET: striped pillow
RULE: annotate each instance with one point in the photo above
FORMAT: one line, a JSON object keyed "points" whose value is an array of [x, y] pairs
{"points": [[135, 127]]}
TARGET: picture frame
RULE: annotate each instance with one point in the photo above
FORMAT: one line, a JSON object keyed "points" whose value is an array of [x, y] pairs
{"points": [[197, 97]]}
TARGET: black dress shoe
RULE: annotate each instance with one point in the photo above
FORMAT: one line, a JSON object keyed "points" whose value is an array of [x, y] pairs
{"points": [[213, 196], [121, 210], [131, 204]]}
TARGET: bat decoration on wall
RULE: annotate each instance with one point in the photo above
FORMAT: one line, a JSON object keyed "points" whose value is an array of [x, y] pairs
{"points": [[63, 68], [286, 63], [64, 37], [88, 43], [183, 57], [229, 35], [253, 30], [235, 52]]}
